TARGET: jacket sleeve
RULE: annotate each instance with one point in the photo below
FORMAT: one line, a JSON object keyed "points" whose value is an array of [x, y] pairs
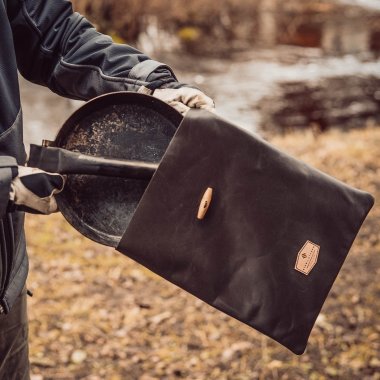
{"points": [[60, 49]]}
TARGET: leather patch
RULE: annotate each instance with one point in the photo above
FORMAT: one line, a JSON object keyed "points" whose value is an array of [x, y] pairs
{"points": [[307, 257]]}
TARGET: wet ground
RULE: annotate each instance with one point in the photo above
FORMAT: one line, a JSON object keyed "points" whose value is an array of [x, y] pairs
{"points": [[257, 89], [281, 87]]}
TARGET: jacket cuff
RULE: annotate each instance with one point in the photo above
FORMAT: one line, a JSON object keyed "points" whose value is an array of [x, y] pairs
{"points": [[8, 171], [154, 73], [176, 85]]}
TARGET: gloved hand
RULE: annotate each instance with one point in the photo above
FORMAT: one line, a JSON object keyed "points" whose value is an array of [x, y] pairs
{"points": [[183, 98], [33, 191]]}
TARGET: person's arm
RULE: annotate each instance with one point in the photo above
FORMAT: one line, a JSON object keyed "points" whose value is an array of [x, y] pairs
{"points": [[27, 189], [60, 49]]}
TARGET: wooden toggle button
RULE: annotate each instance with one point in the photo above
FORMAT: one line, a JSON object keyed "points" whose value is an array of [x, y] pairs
{"points": [[205, 203]]}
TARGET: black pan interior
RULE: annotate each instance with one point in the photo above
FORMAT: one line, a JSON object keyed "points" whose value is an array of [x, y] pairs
{"points": [[120, 125]]}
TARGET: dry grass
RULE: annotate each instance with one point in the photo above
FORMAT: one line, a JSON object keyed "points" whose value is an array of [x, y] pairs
{"points": [[98, 315]]}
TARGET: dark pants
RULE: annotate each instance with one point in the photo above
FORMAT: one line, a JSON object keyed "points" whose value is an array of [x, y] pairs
{"points": [[14, 362]]}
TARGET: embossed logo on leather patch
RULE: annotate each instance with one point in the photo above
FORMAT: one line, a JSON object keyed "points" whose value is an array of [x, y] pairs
{"points": [[307, 257]]}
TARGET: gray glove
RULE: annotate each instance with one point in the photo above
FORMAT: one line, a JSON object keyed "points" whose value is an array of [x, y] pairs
{"points": [[33, 190], [183, 98]]}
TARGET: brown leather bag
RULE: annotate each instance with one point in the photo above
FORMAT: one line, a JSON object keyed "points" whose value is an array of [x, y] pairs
{"points": [[272, 241]]}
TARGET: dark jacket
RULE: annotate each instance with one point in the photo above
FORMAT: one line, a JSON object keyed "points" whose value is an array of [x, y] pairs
{"points": [[54, 47]]}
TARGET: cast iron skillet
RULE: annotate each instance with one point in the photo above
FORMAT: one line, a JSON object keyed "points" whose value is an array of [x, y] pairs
{"points": [[120, 125]]}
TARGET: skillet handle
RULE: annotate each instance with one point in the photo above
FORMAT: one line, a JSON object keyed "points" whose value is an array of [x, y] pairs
{"points": [[63, 161]]}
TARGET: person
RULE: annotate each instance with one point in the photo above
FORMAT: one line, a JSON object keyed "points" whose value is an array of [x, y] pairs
{"points": [[53, 46]]}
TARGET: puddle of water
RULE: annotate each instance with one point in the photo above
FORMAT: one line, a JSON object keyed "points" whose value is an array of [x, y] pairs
{"points": [[250, 86], [239, 87]]}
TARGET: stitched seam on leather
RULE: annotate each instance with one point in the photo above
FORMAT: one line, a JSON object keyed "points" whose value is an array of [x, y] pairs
{"points": [[306, 267], [11, 128], [307, 264], [74, 66]]}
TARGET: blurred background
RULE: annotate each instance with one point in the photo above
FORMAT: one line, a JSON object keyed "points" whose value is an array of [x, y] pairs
{"points": [[268, 64], [303, 74]]}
